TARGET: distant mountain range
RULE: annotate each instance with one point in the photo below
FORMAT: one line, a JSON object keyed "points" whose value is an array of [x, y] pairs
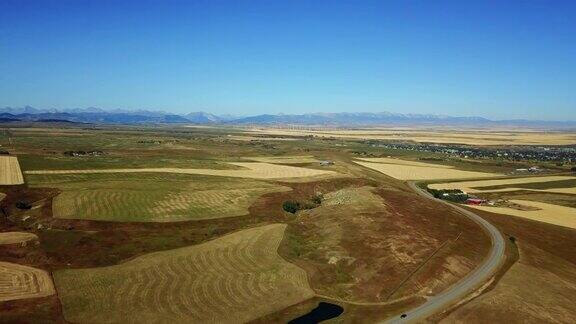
{"points": [[99, 116]]}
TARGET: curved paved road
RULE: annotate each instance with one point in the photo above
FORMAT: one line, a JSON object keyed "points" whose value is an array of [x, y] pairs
{"points": [[472, 281]]}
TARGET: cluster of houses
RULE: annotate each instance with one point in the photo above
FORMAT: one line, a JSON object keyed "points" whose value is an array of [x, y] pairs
{"points": [[556, 154], [83, 153]]}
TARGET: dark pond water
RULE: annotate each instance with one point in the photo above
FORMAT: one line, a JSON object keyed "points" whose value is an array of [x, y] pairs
{"points": [[324, 311]]}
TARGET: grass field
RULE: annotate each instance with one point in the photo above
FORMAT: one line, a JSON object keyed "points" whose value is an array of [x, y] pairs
{"points": [[150, 197], [10, 173], [16, 237], [552, 184], [21, 282], [253, 170], [547, 213], [233, 279], [405, 170]]}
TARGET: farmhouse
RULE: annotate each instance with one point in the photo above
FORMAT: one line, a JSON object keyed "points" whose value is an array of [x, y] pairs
{"points": [[475, 201]]}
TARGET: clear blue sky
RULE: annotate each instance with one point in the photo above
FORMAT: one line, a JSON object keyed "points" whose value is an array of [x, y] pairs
{"points": [[498, 59]]}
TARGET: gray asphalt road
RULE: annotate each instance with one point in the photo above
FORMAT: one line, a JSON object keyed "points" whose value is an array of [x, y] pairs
{"points": [[472, 281]]}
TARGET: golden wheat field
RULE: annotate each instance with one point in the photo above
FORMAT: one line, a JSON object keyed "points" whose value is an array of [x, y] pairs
{"points": [[484, 185], [20, 282], [470, 137], [16, 237], [547, 213], [156, 197], [421, 172], [10, 173], [233, 279], [253, 170]]}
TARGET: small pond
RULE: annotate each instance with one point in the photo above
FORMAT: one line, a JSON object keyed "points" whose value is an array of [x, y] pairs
{"points": [[324, 311]]}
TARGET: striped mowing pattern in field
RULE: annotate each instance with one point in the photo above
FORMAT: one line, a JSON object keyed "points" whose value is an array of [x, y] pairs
{"points": [[233, 279], [151, 197], [20, 282], [10, 173]]}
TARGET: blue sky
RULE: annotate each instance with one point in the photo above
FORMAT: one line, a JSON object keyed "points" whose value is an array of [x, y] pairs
{"points": [[498, 59]]}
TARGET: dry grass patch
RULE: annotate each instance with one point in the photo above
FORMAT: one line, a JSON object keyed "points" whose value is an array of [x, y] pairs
{"points": [[10, 173], [16, 237], [541, 212], [233, 279], [487, 185], [423, 171], [20, 282], [254, 170]]}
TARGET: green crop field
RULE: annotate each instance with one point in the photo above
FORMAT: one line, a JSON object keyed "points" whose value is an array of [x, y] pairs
{"points": [[150, 197]]}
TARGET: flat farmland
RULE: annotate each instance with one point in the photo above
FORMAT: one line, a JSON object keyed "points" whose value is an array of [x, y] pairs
{"points": [[146, 197], [552, 184], [236, 278], [470, 137], [253, 170], [22, 282], [10, 173], [547, 213], [422, 171]]}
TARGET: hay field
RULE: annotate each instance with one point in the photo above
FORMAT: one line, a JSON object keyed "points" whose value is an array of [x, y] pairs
{"points": [[233, 279], [21, 282], [470, 137], [485, 185], [16, 237], [423, 171], [146, 197], [284, 159], [253, 170], [547, 213], [10, 173]]}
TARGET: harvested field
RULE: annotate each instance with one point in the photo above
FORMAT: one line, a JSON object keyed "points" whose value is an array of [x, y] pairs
{"points": [[20, 282], [404, 162], [10, 173], [254, 170], [547, 213], [430, 172], [512, 184], [233, 279], [16, 237], [284, 159], [151, 197]]}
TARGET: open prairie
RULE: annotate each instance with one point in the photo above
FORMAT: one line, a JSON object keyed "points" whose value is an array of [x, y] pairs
{"points": [[236, 278], [422, 171], [470, 137], [179, 223], [21, 282], [10, 173], [150, 197]]}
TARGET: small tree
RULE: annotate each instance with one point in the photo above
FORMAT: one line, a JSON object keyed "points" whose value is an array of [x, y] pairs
{"points": [[291, 206], [23, 205]]}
